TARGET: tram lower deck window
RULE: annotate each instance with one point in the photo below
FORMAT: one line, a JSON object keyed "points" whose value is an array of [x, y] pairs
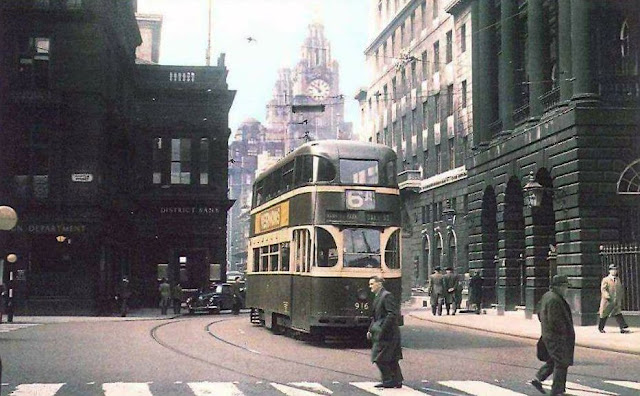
{"points": [[361, 247]]}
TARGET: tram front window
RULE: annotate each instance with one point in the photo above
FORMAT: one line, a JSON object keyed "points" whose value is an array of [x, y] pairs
{"points": [[359, 171], [361, 248]]}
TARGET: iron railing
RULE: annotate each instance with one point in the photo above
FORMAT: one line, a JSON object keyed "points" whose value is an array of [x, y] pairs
{"points": [[627, 257]]}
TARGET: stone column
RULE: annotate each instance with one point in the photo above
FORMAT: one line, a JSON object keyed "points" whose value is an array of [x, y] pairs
{"points": [[535, 26], [584, 84], [506, 73], [483, 61], [564, 50]]}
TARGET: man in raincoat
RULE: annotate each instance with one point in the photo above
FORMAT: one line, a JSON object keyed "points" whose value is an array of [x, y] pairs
{"points": [[384, 334], [558, 339], [611, 290]]}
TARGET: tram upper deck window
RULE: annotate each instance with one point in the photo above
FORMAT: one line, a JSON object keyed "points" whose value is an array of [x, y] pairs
{"points": [[326, 172], [304, 170], [361, 248], [390, 169], [326, 249], [354, 171]]}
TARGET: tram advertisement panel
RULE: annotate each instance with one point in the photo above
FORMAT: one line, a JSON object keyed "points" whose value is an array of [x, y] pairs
{"points": [[272, 218]]}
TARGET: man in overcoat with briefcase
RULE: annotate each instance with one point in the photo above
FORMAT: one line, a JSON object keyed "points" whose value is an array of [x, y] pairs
{"points": [[558, 339], [384, 333]]}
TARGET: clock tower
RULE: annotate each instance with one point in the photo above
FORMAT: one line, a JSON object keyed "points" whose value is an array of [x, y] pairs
{"points": [[313, 81]]}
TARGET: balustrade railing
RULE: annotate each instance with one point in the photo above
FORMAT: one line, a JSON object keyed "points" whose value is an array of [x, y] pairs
{"points": [[550, 98], [521, 113]]}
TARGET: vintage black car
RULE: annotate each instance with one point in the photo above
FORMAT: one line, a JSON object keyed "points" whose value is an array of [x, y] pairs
{"points": [[212, 300]]}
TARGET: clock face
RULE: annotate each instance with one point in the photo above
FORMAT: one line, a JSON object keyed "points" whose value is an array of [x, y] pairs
{"points": [[318, 89]]}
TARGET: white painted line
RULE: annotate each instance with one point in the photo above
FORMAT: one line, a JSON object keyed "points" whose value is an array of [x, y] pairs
{"points": [[126, 389], [91, 383], [312, 386], [291, 391], [370, 387], [254, 351], [574, 389], [625, 384], [479, 388], [36, 390], [214, 388]]}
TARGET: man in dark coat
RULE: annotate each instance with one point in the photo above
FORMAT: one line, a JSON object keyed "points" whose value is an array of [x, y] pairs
{"points": [[450, 282], [124, 293], [436, 291], [475, 291], [558, 338], [384, 333]]}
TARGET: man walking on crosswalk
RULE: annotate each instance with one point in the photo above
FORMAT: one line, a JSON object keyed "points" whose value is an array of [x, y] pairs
{"points": [[558, 339]]}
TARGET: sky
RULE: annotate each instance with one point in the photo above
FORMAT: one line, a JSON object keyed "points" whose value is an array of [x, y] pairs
{"points": [[279, 28]]}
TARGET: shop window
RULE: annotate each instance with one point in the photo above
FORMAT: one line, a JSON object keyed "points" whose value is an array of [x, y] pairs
{"points": [[156, 160], [34, 64]]}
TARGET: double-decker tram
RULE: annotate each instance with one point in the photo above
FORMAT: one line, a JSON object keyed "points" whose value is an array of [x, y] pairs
{"points": [[324, 220]]}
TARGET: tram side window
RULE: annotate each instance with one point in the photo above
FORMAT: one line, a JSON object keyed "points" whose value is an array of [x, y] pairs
{"points": [[326, 249], [392, 251], [303, 170], [258, 199], [274, 257], [284, 251], [358, 171], [287, 176], [302, 246], [256, 259], [361, 247]]}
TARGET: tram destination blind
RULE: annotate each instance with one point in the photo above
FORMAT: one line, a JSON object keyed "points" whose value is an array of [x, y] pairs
{"points": [[358, 217]]}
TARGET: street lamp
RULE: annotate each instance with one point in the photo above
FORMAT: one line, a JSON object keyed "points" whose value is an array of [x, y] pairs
{"points": [[449, 215], [533, 192], [8, 220]]}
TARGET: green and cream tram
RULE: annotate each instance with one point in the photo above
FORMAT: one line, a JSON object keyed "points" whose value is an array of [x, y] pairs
{"points": [[324, 219]]}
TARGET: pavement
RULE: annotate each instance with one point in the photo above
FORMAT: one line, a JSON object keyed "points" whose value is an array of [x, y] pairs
{"points": [[514, 323]]}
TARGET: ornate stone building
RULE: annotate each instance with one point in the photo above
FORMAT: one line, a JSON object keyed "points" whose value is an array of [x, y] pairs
{"points": [[556, 95], [419, 103]]}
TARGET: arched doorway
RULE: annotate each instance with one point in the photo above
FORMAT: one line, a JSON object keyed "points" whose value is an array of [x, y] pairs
{"points": [[426, 267], [512, 283], [452, 251], [437, 256], [489, 225]]}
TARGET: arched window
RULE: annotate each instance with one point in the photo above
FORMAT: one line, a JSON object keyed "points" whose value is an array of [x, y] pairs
{"points": [[624, 40], [629, 181]]}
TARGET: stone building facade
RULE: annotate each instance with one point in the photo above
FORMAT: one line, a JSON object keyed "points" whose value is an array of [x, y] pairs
{"points": [[66, 89], [182, 134], [555, 95], [419, 103]]}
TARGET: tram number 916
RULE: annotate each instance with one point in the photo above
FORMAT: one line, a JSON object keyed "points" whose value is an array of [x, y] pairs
{"points": [[362, 306], [360, 200]]}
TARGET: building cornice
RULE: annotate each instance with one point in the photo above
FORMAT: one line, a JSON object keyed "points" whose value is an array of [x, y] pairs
{"points": [[400, 16], [456, 6]]}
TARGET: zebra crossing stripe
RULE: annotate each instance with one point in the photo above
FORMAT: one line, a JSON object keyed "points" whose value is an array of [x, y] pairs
{"points": [[625, 384], [574, 389], [479, 388], [126, 389], [36, 390], [291, 391], [370, 387], [312, 386], [214, 388]]}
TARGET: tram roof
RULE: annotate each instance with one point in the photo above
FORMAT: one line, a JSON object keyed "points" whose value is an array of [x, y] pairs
{"points": [[335, 149]]}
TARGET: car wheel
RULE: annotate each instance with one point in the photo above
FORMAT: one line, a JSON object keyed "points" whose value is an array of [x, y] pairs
{"points": [[191, 311]]}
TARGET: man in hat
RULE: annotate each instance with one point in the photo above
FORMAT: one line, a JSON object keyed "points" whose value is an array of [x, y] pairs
{"points": [[450, 281], [611, 300], [558, 339], [384, 334], [436, 291]]}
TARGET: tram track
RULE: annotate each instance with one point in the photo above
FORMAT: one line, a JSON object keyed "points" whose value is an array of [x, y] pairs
{"points": [[208, 328]]}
